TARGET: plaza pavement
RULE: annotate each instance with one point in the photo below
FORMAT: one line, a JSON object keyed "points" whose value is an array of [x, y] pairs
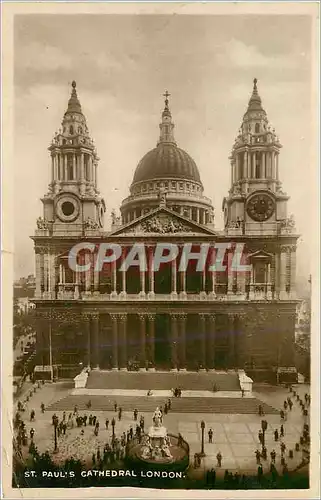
{"points": [[235, 435]]}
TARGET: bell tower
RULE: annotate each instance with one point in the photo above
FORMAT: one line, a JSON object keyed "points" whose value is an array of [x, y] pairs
{"points": [[72, 203], [256, 202]]}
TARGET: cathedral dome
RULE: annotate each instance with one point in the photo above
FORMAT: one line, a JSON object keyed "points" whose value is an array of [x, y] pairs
{"points": [[166, 161]]}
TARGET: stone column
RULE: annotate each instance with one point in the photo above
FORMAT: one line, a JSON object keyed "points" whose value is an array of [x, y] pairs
{"points": [[230, 273], [263, 166], [114, 280], [293, 272], [231, 333], [123, 342], [273, 169], [277, 166], [142, 292], [38, 275], [65, 168], [123, 276], [245, 163], [151, 276], [114, 322], [95, 337], [202, 359], [237, 168], [74, 173], [211, 342], [203, 291], [183, 280], [253, 165], [142, 334], [174, 341], [249, 165], [174, 278], [151, 341], [96, 276], [198, 215], [282, 271], [82, 173], [182, 341]]}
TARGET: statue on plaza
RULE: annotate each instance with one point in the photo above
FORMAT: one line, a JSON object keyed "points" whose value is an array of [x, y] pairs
{"points": [[158, 418]]}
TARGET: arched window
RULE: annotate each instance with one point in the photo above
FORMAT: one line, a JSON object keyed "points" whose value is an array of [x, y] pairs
{"points": [[79, 130], [257, 128], [71, 130]]}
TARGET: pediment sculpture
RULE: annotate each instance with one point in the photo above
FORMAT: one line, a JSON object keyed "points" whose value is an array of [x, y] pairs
{"points": [[164, 226]]}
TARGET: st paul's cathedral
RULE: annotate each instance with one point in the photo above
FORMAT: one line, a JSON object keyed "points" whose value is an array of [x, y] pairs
{"points": [[170, 319]]}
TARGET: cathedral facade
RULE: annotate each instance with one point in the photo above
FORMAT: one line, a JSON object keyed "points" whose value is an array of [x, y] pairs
{"points": [[172, 318]]}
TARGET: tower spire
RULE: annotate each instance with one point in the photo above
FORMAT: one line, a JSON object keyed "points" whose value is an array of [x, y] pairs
{"points": [[166, 126], [73, 103], [255, 103]]}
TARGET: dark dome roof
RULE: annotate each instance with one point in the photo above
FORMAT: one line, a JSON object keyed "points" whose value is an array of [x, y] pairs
{"points": [[167, 160]]}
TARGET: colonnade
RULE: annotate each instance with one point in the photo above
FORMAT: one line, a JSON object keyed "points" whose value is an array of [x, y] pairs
{"points": [[82, 168], [206, 336], [246, 169], [51, 277]]}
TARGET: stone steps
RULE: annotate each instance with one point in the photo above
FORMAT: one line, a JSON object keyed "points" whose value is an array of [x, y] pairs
{"points": [[226, 381], [148, 404]]}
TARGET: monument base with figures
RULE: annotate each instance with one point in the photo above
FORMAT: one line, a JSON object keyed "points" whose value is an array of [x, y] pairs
{"points": [[158, 450]]}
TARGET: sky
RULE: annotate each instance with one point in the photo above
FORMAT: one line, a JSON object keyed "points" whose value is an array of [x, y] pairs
{"points": [[123, 64]]}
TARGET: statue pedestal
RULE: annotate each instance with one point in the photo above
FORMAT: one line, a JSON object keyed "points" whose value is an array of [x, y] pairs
{"points": [[157, 432]]}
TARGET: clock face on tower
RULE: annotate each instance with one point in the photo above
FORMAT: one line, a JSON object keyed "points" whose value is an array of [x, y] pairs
{"points": [[260, 207]]}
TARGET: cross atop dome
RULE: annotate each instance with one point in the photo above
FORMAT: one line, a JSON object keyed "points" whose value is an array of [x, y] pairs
{"points": [[166, 95]]}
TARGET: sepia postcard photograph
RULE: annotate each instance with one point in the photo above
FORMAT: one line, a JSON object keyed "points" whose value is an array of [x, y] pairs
{"points": [[160, 187]]}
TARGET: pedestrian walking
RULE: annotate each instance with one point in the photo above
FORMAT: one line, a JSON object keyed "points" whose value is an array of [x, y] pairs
{"points": [[260, 436], [42, 407], [115, 406], [135, 414], [276, 435], [282, 431], [264, 453], [219, 459], [273, 456], [258, 456], [120, 411], [210, 435], [107, 423]]}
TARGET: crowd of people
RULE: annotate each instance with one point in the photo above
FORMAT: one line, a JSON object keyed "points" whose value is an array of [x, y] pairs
{"points": [[261, 455], [114, 449]]}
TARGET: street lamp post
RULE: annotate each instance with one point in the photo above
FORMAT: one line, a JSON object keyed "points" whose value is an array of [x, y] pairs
{"points": [[202, 454], [55, 427]]}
